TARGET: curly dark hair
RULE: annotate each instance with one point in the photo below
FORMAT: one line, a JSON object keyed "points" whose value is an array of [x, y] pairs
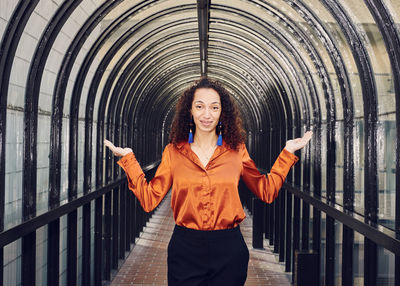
{"points": [[232, 127]]}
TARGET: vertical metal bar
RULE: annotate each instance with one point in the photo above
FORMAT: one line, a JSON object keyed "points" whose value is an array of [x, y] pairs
{"points": [[107, 236], [289, 217], [305, 227], [371, 195], [272, 205], [72, 247], [134, 215], [330, 252], [397, 271], [348, 192], [267, 222], [305, 223], [282, 217], [203, 14], [53, 258], [86, 244], [28, 259], [330, 190], [127, 221], [115, 194], [296, 205], [98, 241], [316, 240], [282, 194], [289, 210], [277, 203], [122, 233], [258, 223], [347, 256], [268, 229], [1, 263], [115, 228], [316, 144], [370, 260]]}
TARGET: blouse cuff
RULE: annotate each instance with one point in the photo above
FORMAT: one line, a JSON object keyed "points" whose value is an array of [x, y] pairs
{"points": [[127, 160], [289, 157]]}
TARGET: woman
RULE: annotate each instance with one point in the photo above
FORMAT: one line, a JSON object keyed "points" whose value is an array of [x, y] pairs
{"points": [[203, 165]]}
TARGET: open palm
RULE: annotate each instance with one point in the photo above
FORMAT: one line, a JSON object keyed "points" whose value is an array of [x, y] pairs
{"points": [[117, 151], [298, 143]]}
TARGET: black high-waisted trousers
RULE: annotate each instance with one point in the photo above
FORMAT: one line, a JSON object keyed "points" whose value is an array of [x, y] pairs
{"points": [[207, 258]]}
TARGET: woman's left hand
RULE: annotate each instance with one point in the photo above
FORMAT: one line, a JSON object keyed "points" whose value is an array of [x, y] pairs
{"points": [[298, 143]]}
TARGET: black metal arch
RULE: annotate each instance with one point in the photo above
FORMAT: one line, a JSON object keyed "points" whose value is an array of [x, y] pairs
{"points": [[137, 70], [129, 69], [285, 43], [97, 78], [147, 86], [246, 104], [370, 120], [32, 92], [8, 48], [391, 38]]}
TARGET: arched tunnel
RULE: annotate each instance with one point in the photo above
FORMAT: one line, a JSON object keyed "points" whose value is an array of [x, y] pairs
{"points": [[75, 72]]}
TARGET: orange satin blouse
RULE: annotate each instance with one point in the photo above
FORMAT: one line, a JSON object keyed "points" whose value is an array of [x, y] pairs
{"points": [[205, 198]]}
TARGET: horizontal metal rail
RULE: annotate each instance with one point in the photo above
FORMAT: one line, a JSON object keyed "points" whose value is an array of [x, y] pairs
{"points": [[377, 233], [30, 225]]}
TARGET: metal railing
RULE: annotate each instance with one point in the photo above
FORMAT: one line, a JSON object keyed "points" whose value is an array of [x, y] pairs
{"points": [[118, 229], [286, 236]]}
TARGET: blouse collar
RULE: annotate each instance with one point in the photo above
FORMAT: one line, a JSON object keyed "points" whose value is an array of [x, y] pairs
{"points": [[184, 148]]}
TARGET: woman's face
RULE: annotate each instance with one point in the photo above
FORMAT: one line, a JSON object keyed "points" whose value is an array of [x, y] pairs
{"points": [[206, 109]]}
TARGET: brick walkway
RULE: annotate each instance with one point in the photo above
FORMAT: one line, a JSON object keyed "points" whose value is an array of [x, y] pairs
{"points": [[147, 263]]}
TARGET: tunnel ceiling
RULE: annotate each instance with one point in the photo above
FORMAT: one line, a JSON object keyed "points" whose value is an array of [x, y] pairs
{"points": [[73, 72], [282, 60], [309, 59], [93, 64]]}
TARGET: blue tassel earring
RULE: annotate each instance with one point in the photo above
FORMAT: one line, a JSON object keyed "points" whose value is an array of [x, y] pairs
{"points": [[190, 136], [219, 142], [190, 132]]}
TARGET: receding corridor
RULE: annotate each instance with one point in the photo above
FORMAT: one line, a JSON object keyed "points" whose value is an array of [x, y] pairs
{"points": [[146, 264], [76, 72]]}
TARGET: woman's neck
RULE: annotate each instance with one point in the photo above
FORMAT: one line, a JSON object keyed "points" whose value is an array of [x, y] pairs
{"points": [[205, 139]]}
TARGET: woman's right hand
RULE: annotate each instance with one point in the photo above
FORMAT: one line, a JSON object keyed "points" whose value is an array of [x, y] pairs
{"points": [[117, 151]]}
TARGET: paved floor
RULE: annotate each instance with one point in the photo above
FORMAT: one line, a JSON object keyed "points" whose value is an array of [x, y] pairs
{"points": [[147, 263]]}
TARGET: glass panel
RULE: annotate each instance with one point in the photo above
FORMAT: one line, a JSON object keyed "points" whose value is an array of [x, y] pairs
{"points": [[14, 165], [81, 150], [358, 149], [338, 252], [63, 250], [43, 150], [12, 264], [339, 140], [64, 162], [386, 265], [41, 256], [358, 259], [387, 172]]}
